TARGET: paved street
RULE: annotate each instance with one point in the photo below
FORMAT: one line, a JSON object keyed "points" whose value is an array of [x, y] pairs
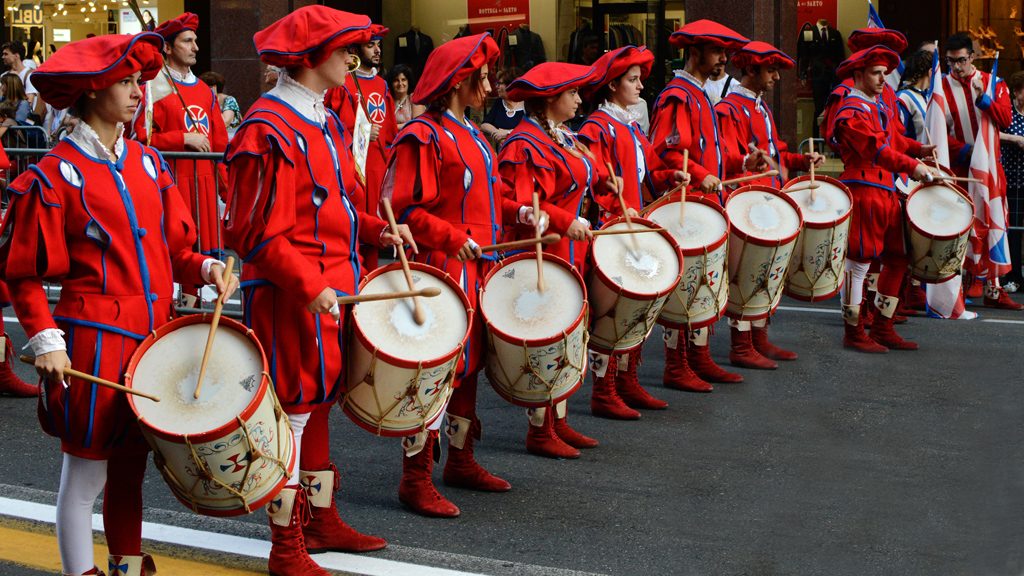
{"points": [[839, 463]]}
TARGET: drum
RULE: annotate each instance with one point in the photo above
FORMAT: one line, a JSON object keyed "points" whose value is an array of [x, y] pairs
{"points": [[700, 298], [536, 341], [400, 373], [230, 451], [763, 227], [633, 276], [940, 217], [819, 258]]}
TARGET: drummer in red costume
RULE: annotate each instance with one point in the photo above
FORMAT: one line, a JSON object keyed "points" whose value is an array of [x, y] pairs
{"points": [[873, 150], [443, 181], [291, 217], [746, 122], [186, 117], [101, 215], [542, 155], [366, 89], [614, 136], [684, 119]]}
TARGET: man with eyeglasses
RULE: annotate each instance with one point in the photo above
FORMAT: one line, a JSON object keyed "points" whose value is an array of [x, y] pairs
{"points": [[964, 87]]}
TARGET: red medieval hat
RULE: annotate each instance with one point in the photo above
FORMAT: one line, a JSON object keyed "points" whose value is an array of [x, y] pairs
{"points": [[378, 32], [707, 32], [175, 26], [96, 63], [874, 56], [548, 79], [309, 35], [761, 54], [453, 62], [867, 37], [615, 63]]}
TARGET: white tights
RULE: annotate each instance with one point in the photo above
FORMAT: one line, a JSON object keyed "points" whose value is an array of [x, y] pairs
{"points": [[852, 291], [81, 481], [298, 422]]}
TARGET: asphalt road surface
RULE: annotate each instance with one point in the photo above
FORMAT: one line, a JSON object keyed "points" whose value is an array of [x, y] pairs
{"points": [[838, 463]]}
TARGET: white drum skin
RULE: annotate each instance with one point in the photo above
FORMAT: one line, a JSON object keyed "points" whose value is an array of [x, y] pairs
{"points": [[400, 374], [625, 305], [536, 342], [763, 227], [236, 466], [700, 298], [940, 217], [819, 257]]}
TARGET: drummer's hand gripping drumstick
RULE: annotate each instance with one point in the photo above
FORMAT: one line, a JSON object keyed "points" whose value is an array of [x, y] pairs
{"points": [[229, 268], [743, 179], [539, 246], [417, 310], [96, 380], [622, 205], [428, 292], [517, 244]]}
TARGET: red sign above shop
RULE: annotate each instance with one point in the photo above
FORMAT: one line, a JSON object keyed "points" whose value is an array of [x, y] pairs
{"points": [[493, 15]]}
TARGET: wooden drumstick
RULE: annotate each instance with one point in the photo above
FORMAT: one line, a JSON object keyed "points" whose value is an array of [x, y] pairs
{"points": [[813, 195], [806, 185], [539, 246], [229, 268], [417, 311], [616, 232], [96, 380], [516, 244], [428, 292], [622, 202], [743, 179], [682, 195], [958, 179]]}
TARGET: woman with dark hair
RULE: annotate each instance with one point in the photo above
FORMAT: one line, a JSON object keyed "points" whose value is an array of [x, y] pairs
{"points": [[505, 113], [228, 105], [12, 89], [402, 82], [913, 95]]}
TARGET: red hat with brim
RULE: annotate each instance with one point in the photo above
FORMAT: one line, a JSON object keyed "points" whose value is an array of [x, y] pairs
{"points": [[707, 32], [378, 32], [453, 62], [761, 54], [309, 35], [865, 38], [175, 26], [548, 79], [874, 56], [96, 63], [617, 62]]}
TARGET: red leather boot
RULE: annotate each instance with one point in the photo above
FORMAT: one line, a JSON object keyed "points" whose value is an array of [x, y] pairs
{"points": [[700, 360], [462, 470], [416, 489], [743, 354], [605, 401], [882, 326], [572, 437], [678, 375], [326, 531], [998, 298], [541, 438], [854, 336], [10, 384], [288, 555], [627, 384], [759, 337]]}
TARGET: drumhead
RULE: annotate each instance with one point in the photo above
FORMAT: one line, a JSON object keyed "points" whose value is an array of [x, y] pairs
{"points": [[761, 214], [703, 225], [830, 202], [511, 303], [650, 266], [939, 210], [390, 326], [170, 367]]}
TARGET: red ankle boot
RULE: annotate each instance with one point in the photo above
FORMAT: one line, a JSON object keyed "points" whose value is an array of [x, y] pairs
{"points": [[627, 384], [288, 555], [678, 375], [571, 436], [743, 354], [700, 360], [854, 336], [10, 384], [417, 490], [462, 470], [759, 337], [882, 326], [605, 401], [998, 298], [541, 438], [326, 531]]}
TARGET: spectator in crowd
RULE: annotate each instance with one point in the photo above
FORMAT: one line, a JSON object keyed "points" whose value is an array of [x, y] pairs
{"points": [[8, 111], [913, 95], [13, 91], [13, 56], [1013, 165], [504, 114], [227, 103], [402, 81]]}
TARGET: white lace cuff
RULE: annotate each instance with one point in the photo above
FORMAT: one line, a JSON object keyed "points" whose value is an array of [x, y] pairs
{"points": [[46, 341], [583, 221], [207, 265]]}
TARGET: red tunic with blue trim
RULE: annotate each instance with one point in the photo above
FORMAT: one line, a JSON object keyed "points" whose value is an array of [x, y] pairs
{"points": [[530, 161], [195, 178], [745, 119], [291, 219], [444, 180], [116, 236]]}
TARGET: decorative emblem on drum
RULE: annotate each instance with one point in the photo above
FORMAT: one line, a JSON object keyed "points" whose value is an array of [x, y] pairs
{"points": [[238, 462], [249, 383], [510, 274]]}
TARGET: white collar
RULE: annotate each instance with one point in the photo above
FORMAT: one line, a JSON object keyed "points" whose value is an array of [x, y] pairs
{"points": [[306, 102], [688, 76], [187, 78], [744, 91], [88, 141], [368, 75], [621, 114], [859, 94]]}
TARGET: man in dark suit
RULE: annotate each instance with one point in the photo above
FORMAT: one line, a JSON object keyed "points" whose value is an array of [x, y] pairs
{"points": [[820, 50]]}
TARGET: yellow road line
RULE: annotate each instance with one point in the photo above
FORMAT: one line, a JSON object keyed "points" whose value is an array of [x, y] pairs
{"points": [[39, 551]]}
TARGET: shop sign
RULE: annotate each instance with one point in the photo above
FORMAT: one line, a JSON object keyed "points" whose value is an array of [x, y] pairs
{"points": [[27, 15], [493, 15]]}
